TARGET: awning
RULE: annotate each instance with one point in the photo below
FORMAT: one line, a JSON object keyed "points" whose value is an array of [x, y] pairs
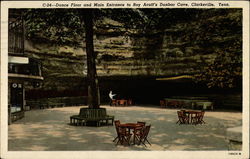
{"points": [[18, 60]]}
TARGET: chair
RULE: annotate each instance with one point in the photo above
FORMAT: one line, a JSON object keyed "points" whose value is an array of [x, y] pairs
{"points": [[162, 103], [117, 123], [130, 102], [198, 118], [122, 102], [194, 118], [182, 117], [123, 135], [142, 124], [113, 102], [142, 135]]}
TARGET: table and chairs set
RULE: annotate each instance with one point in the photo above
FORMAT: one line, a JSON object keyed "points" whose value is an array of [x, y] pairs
{"points": [[132, 133], [121, 102], [190, 117]]}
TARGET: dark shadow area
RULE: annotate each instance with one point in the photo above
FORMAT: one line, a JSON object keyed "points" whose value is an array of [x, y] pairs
{"points": [[147, 90]]}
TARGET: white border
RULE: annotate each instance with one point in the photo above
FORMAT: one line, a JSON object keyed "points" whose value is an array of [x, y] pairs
{"points": [[120, 154]]}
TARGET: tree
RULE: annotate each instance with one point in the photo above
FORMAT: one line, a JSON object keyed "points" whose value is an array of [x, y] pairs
{"points": [[93, 87]]}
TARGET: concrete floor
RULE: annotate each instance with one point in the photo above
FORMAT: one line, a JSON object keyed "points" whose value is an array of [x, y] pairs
{"points": [[48, 130]]}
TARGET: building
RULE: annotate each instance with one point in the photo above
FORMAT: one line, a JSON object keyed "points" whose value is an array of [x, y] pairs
{"points": [[22, 69]]}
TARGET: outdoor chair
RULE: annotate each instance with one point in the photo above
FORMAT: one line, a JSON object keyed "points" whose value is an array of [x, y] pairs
{"points": [[113, 102], [162, 103], [123, 135], [194, 118], [201, 117], [142, 135], [123, 102], [117, 123], [138, 129], [198, 118], [130, 102], [182, 117]]}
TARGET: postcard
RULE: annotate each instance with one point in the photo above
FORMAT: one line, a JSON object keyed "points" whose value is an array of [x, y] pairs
{"points": [[125, 79]]}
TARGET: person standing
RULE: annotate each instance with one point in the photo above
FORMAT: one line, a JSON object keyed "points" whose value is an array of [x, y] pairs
{"points": [[111, 96]]}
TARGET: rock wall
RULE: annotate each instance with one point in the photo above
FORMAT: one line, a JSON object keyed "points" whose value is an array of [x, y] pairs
{"points": [[175, 50]]}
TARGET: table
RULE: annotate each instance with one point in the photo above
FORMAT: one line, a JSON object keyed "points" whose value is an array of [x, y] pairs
{"points": [[132, 126]]}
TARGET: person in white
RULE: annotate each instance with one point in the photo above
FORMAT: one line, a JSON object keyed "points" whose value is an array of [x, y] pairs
{"points": [[111, 96]]}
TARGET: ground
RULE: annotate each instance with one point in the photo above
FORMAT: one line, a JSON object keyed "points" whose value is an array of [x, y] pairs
{"points": [[49, 130]]}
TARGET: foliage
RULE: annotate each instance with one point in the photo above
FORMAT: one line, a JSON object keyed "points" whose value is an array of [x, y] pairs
{"points": [[58, 26], [222, 36], [224, 72]]}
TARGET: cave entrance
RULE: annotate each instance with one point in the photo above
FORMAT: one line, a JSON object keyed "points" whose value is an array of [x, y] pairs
{"points": [[143, 90], [149, 91]]}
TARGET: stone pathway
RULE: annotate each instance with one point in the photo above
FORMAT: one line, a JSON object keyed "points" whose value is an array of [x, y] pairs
{"points": [[48, 130]]}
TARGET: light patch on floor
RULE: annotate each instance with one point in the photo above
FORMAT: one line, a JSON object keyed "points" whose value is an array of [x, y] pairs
{"points": [[55, 133], [161, 135], [37, 148], [179, 141], [161, 118]]}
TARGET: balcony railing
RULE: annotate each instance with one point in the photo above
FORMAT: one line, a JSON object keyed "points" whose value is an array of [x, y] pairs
{"points": [[16, 37]]}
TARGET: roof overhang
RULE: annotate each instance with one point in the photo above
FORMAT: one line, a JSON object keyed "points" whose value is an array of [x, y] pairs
{"points": [[18, 60]]}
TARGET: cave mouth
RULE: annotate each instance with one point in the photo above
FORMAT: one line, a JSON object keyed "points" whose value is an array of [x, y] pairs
{"points": [[143, 90]]}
